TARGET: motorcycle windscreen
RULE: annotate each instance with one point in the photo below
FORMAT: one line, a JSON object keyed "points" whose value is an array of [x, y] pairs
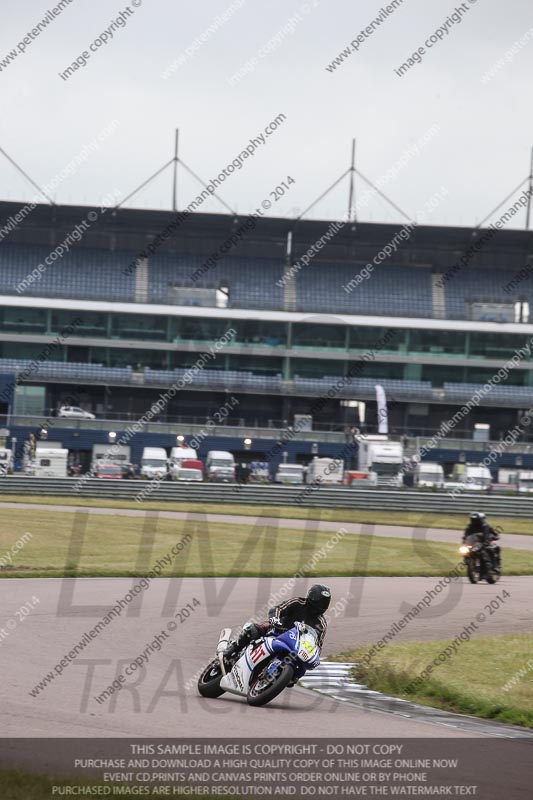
{"points": [[308, 651]]}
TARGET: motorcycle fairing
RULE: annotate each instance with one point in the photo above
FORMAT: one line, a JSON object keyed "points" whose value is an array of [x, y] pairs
{"points": [[303, 648]]}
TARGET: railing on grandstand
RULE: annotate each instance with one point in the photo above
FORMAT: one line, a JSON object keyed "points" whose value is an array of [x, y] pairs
{"points": [[326, 432]]}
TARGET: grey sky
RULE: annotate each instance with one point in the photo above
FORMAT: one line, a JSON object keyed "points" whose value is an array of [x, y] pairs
{"points": [[481, 150]]}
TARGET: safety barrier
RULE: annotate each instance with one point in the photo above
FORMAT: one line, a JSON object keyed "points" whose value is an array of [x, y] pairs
{"points": [[318, 496]]}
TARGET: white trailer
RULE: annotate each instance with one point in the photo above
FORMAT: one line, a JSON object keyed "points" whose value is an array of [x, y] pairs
{"points": [[50, 463]]}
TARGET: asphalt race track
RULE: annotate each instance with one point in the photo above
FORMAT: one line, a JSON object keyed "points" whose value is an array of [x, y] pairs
{"points": [[161, 700]]}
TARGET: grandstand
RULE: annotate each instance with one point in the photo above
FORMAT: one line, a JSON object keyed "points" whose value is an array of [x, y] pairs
{"points": [[142, 317]]}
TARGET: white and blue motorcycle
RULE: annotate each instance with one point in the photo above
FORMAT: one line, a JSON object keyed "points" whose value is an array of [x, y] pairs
{"points": [[264, 668]]}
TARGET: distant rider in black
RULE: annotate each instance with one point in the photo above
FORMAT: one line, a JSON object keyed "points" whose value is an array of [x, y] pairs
{"points": [[484, 533]]}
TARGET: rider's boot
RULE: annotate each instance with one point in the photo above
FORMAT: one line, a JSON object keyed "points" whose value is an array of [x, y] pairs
{"points": [[249, 632]]}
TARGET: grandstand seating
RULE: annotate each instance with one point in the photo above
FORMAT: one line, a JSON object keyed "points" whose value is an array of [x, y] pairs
{"points": [[485, 286], [499, 395], [390, 290], [67, 371], [366, 387], [238, 380], [103, 275], [81, 273], [251, 282]]}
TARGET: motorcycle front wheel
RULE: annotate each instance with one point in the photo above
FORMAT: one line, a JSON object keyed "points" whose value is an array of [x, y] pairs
{"points": [[473, 570], [487, 569], [264, 687], [491, 575], [209, 680]]}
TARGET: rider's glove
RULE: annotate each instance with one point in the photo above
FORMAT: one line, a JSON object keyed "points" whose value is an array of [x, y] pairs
{"points": [[275, 622]]}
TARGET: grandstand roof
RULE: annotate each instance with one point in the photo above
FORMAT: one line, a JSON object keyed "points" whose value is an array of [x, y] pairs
{"points": [[133, 229]]}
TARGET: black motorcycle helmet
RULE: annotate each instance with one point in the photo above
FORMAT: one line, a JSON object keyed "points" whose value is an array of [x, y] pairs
{"points": [[319, 597], [477, 520]]}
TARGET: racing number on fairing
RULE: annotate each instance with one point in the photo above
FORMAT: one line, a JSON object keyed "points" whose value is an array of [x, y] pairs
{"points": [[309, 647], [257, 653]]}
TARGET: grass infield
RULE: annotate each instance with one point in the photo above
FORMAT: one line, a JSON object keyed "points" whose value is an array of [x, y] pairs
{"points": [[18, 785], [90, 545], [490, 677]]}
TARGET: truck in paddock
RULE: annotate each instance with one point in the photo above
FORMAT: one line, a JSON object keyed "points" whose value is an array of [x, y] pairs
{"points": [[382, 460], [524, 481], [111, 471], [111, 454], [154, 463], [6, 461], [325, 470], [429, 475], [220, 466], [176, 463], [190, 469]]}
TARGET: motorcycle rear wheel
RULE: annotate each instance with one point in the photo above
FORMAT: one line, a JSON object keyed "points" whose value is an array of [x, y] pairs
{"points": [[209, 680], [260, 696]]}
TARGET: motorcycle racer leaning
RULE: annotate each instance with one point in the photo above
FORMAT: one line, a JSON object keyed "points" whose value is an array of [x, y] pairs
{"points": [[309, 610], [484, 533]]}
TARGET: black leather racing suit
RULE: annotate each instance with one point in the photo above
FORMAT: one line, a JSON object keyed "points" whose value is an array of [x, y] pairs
{"points": [[281, 617], [299, 610]]}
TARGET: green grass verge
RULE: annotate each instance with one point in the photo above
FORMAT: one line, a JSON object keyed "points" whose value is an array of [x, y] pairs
{"points": [[488, 677], [408, 518], [111, 545], [18, 785]]}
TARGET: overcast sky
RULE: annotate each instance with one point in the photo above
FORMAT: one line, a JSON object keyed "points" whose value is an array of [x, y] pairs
{"points": [[480, 152]]}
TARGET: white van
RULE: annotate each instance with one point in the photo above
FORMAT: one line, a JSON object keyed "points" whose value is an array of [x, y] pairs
{"points": [[429, 474], [6, 461], [220, 466], [473, 477], [154, 463]]}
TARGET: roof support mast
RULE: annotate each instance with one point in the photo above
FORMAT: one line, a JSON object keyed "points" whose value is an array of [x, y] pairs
{"points": [[351, 207], [528, 213], [175, 176]]}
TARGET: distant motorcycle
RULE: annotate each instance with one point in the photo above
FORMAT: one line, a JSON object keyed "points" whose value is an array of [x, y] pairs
{"points": [[480, 561], [266, 666]]}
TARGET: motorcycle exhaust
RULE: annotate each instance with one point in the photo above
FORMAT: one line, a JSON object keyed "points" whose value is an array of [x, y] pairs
{"points": [[223, 642]]}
